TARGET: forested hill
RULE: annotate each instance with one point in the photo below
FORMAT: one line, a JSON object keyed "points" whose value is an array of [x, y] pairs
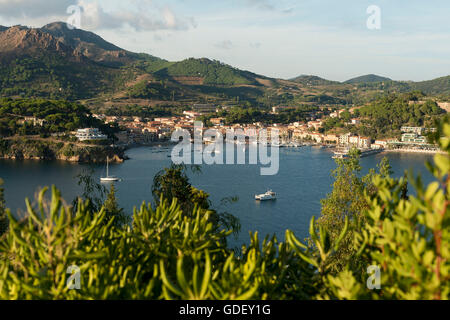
{"points": [[58, 63], [439, 86], [211, 72], [367, 79], [311, 80]]}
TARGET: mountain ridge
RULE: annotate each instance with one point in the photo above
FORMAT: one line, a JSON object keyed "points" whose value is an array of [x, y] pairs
{"points": [[57, 62]]}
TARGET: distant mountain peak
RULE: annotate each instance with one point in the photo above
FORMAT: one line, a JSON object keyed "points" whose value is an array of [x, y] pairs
{"points": [[56, 24], [89, 44], [312, 80], [369, 78], [20, 40], [76, 36], [57, 36]]}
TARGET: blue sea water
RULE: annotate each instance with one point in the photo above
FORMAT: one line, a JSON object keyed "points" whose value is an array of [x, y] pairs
{"points": [[302, 181]]}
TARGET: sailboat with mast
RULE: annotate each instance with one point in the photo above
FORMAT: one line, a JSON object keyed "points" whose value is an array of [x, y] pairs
{"points": [[108, 178]]}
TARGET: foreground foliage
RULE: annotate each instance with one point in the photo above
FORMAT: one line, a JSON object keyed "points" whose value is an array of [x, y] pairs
{"points": [[175, 251]]}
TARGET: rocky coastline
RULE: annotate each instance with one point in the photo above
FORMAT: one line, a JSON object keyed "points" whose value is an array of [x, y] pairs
{"points": [[45, 150]]}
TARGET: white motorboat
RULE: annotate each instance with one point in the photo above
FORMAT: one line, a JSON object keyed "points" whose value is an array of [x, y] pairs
{"points": [[341, 154], [108, 178], [276, 144], [269, 195]]}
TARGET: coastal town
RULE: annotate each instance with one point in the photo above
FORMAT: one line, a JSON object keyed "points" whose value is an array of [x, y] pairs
{"points": [[147, 131]]}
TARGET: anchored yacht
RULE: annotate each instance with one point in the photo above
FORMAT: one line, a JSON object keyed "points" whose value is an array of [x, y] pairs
{"points": [[108, 178], [269, 195]]}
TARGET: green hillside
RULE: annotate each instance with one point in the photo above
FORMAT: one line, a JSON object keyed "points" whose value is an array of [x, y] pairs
{"points": [[213, 72], [311, 80], [53, 76], [367, 79], [439, 86]]}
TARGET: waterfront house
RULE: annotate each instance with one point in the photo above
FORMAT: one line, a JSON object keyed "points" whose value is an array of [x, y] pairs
{"points": [[353, 140], [331, 138], [382, 143], [90, 134], [413, 138], [317, 137], [364, 142], [376, 146], [344, 139]]}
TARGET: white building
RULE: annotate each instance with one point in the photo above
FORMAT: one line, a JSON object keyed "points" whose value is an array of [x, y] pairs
{"points": [[417, 130], [90, 134], [382, 143], [376, 146], [354, 140], [344, 139], [364, 142]]}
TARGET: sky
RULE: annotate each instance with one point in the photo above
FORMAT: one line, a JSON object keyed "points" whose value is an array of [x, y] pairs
{"points": [[281, 38]]}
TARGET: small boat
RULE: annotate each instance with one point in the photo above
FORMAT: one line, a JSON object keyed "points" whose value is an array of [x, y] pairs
{"points": [[108, 178], [269, 195], [341, 154], [276, 144]]}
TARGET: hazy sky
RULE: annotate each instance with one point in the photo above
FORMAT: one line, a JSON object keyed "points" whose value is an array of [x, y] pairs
{"points": [[283, 38]]}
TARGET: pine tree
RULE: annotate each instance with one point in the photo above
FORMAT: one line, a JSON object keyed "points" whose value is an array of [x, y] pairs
{"points": [[113, 210], [345, 201]]}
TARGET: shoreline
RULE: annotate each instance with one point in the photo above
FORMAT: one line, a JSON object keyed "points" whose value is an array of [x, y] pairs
{"points": [[122, 158], [39, 149], [414, 151]]}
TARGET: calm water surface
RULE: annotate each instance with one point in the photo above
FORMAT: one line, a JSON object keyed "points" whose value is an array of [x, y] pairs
{"points": [[303, 179]]}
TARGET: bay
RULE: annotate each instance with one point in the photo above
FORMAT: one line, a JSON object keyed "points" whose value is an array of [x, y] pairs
{"points": [[302, 181]]}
